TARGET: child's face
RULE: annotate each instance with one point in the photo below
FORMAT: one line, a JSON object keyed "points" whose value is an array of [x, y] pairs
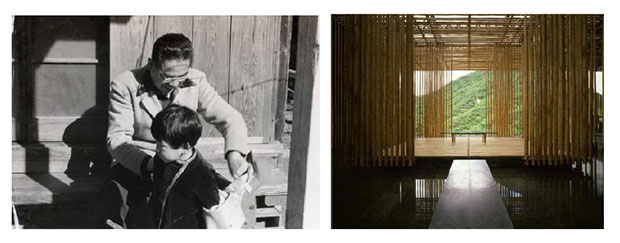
{"points": [[167, 153]]}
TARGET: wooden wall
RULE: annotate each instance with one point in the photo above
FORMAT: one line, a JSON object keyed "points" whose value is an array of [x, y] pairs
{"points": [[63, 66], [61, 79]]}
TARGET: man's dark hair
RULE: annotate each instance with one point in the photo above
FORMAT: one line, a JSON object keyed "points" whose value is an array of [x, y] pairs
{"points": [[177, 125], [172, 46]]}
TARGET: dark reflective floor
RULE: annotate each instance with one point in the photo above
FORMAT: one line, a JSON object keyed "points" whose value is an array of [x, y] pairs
{"points": [[540, 197], [380, 197], [535, 197]]}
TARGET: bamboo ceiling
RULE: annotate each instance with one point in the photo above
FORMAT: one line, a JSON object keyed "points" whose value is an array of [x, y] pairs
{"points": [[470, 37]]}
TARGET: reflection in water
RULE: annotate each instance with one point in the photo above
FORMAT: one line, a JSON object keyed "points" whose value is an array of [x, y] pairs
{"points": [[551, 198], [535, 197], [387, 197]]}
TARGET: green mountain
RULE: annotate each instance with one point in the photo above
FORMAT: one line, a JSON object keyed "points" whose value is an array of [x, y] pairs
{"points": [[469, 100], [468, 103]]}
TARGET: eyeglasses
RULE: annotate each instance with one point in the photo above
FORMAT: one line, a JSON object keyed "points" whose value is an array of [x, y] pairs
{"points": [[174, 81]]}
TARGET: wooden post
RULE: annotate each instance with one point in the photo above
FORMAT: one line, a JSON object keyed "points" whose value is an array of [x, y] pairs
{"points": [[302, 208], [286, 27]]}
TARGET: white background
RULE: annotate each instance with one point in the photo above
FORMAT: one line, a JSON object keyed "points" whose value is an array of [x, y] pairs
{"points": [[324, 9]]}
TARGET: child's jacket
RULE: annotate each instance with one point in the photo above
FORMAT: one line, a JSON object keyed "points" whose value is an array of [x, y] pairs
{"points": [[195, 188]]}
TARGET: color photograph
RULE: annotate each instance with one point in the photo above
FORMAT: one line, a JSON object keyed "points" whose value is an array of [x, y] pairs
{"points": [[467, 121]]}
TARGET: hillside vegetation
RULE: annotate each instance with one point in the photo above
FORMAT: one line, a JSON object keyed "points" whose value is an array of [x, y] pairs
{"points": [[468, 103]]}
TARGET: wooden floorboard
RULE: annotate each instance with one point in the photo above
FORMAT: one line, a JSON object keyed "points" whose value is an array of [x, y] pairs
{"points": [[494, 147]]}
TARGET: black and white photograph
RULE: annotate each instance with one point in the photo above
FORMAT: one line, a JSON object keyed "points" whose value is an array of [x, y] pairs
{"points": [[164, 122]]}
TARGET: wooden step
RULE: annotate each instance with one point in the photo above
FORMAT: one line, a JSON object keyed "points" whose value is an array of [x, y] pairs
{"points": [[56, 188], [32, 189], [58, 157], [45, 200]]}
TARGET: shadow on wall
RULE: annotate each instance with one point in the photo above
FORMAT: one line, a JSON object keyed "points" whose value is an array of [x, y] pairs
{"points": [[67, 170], [87, 157]]}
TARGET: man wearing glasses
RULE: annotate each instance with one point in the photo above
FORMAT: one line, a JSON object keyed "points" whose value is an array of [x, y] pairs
{"points": [[137, 96]]}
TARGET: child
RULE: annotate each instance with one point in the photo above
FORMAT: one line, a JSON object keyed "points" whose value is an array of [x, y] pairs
{"points": [[183, 182]]}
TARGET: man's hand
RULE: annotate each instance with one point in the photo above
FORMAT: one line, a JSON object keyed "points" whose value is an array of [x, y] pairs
{"points": [[237, 164]]}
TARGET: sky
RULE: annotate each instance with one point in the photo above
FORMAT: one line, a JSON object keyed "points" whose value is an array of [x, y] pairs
{"points": [[456, 74]]}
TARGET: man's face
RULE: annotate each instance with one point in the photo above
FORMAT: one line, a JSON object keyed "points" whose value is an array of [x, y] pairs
{"points": [[168, 154], [170, 74]]}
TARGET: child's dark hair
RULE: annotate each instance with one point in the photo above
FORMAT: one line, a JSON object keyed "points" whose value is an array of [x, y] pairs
{"points": [[172, 46], [177, 125]]}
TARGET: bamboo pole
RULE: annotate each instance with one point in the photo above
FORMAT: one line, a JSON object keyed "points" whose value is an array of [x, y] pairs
{"points": [[560, 62], [526, 90]]}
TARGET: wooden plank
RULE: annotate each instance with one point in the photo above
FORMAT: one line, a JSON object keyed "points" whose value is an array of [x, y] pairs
{"points": [[131, 42], [56, 188], [65, 90], [496, 147], [252, 69], [440, 147], [302, 204], [211, 45], [271, 52], [71, 129], [173, 24]]}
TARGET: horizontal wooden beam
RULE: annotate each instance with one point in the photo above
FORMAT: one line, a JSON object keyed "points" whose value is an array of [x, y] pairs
{"points": [[49, 60], [52, 157]]}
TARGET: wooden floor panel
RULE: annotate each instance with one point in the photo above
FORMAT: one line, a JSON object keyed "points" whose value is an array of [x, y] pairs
{"points": [[443, 147]]}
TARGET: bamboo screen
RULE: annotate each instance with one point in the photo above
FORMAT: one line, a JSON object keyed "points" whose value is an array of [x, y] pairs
{"points": [[373, 117], [503, 91], [559, 98], [434, 90]]}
